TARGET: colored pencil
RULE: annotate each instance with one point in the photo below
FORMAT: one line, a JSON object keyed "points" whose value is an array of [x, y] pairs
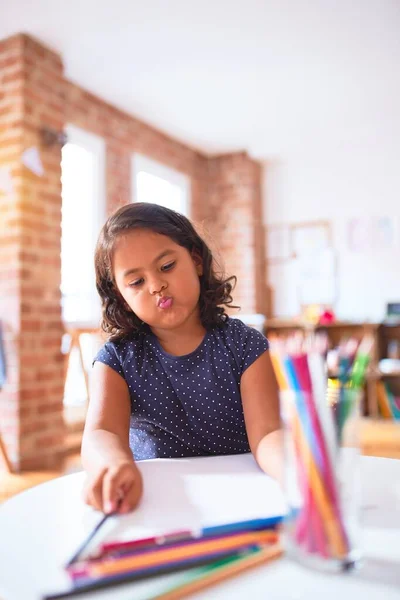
{"points": [[167, 538], [319, 385], [198, 577], [76, 556], [92, 584], [309, 523], [159, 540], [303, 428], [160, 556], [217, 574], [301, 369], [82, 569], [336, 542], [272, 535]]}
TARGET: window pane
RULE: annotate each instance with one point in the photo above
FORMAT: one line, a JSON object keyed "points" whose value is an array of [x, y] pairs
{"points": [[77, 241], [151, 188], [157, 183]]}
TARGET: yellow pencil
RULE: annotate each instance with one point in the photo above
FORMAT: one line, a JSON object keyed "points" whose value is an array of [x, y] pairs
{"points": [[333, 529], [222, 573], [279, 372]]}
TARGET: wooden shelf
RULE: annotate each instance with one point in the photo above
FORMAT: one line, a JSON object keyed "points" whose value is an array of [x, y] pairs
{"points": [[394, 374], [383, 333], [380, 437], [377, 375], [300, 324], [335, 332]]}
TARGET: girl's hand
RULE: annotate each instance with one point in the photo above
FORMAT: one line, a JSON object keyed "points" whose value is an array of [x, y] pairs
{"points": [[117, 487]]}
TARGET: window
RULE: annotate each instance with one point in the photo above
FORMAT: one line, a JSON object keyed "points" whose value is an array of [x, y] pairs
{"points": [[154, 182], [83, 214]]}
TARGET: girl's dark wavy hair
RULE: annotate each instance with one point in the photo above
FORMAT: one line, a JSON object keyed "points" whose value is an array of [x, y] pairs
{"points": [[215, 290]]}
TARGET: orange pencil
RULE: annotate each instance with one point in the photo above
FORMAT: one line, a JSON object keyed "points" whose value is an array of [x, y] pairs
{"points": [[181, 552], [332, 527], [279, 372]]}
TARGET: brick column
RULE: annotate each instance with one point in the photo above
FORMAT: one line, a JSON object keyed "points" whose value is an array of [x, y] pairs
{"points": [[31, 409], [235, 219]]}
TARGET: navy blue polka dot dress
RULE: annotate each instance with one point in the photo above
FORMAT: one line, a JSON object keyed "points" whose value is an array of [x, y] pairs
{"points": [[186, 405]]}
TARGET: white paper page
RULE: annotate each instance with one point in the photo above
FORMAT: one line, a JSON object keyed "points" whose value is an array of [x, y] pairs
{"points": [[194, 494]]}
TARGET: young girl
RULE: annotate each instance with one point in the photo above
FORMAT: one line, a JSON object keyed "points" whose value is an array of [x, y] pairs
{"points": [[178, 377]]}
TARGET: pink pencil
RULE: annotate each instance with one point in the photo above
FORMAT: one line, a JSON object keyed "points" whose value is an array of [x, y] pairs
{"points": [[310, 529], [300, 364], [302, 371], [158, 540]]}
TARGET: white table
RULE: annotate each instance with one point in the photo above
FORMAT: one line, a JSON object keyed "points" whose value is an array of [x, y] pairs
{"points": [[41, 527]]}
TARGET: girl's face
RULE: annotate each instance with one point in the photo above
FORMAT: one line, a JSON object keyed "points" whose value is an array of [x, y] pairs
{"points": [[158, 279]]}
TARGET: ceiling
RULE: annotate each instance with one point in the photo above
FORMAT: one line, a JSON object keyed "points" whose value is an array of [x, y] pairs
{"points": [[270, 76]]}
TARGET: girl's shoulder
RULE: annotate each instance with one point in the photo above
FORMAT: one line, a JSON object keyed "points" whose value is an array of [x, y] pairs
{"points": [[244, 343], [236, 328], [129, 344], [234, 333]]}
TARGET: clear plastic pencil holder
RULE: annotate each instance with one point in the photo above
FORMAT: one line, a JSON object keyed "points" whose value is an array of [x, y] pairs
{"points": [[322, 478]]}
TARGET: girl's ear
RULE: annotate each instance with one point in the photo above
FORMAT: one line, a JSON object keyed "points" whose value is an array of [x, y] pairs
{"points": [[198, 263]]}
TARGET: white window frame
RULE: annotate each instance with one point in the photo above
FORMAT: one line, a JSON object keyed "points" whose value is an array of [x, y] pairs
{"points": [[139, 162], [97, 146]]}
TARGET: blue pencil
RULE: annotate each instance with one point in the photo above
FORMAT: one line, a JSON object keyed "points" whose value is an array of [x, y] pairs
{"points": [[302, 410]]}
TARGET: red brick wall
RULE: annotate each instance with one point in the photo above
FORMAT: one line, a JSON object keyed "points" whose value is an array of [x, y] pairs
{"points": [[11, 140], [125, 135], [225, 199], [225, 191], [31, 96], [234, 201]]}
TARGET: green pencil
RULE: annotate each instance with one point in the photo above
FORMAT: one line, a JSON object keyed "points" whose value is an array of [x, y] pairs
{"points": [[202, 577]]}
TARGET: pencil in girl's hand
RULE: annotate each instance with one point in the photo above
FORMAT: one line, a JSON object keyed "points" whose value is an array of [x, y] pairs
{"points": [[75, 558]]}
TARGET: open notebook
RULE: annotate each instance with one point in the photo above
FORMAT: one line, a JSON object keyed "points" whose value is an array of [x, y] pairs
{"points": [[187, 494], [193, 494]]}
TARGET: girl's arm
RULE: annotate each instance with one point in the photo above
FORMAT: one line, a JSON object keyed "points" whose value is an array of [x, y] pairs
{"points": [[106, 455], [260, 399]]}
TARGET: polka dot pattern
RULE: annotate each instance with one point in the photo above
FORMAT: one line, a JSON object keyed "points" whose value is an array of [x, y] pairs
{"points": [[186, 405]]}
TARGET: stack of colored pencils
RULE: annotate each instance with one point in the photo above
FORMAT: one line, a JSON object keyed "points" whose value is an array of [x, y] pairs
{"points": [[345, 385], [389, 404], [226, 549], [315, 434]]}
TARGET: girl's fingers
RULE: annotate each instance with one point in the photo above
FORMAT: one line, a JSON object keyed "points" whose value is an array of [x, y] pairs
{"points": [[111, 483], [114, 483], [93, 491], [124, 506], [132, 495], [117, 489], [97, 491]]}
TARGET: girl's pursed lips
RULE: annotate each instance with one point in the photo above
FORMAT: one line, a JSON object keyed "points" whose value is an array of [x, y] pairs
{"points": [[164, 302]]}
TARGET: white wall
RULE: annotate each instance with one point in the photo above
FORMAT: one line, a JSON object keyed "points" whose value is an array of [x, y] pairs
{"points": [[359, 178]]}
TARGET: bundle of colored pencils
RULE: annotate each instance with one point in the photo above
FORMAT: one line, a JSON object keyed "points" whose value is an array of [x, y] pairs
{"points": [[388, 403], [226, 549], [315, 431], [344, 388]]}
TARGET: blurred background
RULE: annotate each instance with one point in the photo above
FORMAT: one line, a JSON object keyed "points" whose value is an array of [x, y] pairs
{"points": [[274, 126]]}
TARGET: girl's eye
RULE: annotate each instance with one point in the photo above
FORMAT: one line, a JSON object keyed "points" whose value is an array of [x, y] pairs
{"points": [[136, 283], [168, 266]]}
